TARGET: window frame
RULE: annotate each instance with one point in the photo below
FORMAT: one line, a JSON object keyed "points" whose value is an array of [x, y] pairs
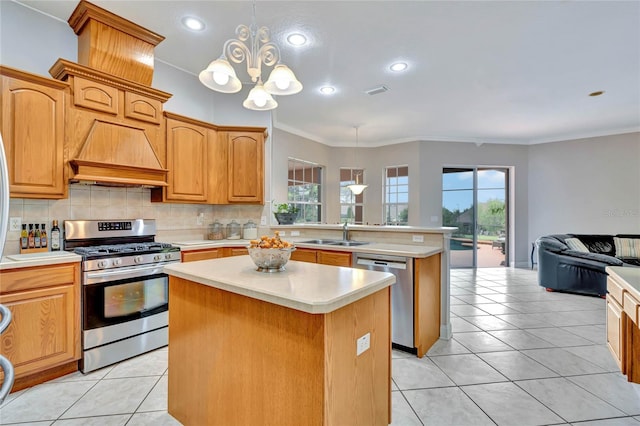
{"points": [[292, 177], [387, 205], [356, 202]]}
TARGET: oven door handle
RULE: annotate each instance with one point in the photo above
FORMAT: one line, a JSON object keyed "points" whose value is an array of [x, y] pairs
{"points": [[121, 274]]}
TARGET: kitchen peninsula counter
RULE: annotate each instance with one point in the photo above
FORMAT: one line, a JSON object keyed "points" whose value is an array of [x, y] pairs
{"points": [[248, 347]]}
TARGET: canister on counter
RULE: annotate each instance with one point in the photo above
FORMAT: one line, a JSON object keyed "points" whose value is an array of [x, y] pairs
{"points": [[250, 230], [234, 230], [216, 231]]}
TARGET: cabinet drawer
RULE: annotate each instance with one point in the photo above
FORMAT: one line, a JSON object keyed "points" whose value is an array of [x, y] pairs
{"points": [[615, 290], [631, 307], [96, 96], [142, 108], [192, 256], [38, 277], [236, 251]]}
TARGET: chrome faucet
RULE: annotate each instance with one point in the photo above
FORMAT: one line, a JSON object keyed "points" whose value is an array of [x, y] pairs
{"points": [[345, 231]]}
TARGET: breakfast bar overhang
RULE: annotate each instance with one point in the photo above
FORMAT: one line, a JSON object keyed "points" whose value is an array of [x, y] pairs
{"points": [[307, 346]]}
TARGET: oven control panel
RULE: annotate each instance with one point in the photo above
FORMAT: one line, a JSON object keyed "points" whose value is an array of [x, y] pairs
{"points": [[115, 226]]}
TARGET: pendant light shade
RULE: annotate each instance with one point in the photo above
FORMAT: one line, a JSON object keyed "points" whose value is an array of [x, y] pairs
{"points": [[282, 81], [259, 99], [220, 76]]}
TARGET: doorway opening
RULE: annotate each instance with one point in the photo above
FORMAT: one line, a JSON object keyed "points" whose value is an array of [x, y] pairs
{"points": [[475, 200]]}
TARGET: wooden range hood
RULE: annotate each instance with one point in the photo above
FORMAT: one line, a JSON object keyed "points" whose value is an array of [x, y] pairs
{"points": [[115, 117]]}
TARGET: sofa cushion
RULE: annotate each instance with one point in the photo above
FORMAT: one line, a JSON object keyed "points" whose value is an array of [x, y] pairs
{"points": [[602, 244], [576, 245], [630, 261], [627, 247]]}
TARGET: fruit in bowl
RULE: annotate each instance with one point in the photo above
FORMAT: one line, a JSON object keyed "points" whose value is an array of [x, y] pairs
{"points": [[270, 254]]}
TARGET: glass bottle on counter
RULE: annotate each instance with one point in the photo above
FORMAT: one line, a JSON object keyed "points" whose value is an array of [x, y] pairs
{"points": [[24, 237], [36, 236], [31, 237], [55, 236], [43, 237], [250, 230]]}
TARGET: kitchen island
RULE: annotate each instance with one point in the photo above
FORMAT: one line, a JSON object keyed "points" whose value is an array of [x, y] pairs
{"points": [[307, 346]]}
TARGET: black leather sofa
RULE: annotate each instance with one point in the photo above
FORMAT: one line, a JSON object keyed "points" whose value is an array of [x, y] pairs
{"points": [[561, 268]]}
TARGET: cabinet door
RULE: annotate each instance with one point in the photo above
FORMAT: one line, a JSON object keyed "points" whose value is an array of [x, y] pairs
{"points": [[245, 167], [334, 258], [33, 117], [45, 327], [187, 162], [615, 332], [304, 255], [235, 251]]}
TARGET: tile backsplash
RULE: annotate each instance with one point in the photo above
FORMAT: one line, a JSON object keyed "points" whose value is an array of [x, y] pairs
{"points": [[175, 222]]}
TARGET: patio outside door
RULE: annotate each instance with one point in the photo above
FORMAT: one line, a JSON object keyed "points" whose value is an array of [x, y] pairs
{"points": [[474, 199]]}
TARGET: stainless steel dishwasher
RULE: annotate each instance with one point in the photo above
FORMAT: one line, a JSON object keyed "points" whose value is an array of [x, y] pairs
{"points": [[401, 294]]}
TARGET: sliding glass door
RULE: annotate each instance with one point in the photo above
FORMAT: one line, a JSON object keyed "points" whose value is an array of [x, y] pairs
{"points": [[474, 199]]}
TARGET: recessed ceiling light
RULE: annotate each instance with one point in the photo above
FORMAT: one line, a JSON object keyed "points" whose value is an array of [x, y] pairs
{"points": [[398, 66], [193, 23], [598, 93], [297, 39], [327, 90]]}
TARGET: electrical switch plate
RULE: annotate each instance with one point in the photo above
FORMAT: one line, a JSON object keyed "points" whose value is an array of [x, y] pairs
{"points": [[263, 221], [418, 238], [295, 233], [15, 223], [283, 233], [200, 219], [363, 343]]}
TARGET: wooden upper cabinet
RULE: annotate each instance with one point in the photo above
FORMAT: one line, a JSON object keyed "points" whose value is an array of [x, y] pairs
{"points": [[93, 95], [245, 167], [32, 126], [187, 161]]}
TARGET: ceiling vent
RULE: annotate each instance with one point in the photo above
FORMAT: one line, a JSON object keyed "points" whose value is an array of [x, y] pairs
{"points": [[376, 90]]}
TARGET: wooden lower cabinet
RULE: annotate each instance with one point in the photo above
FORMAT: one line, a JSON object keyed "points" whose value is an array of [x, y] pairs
{"points": [[324, 257], [213, 253], [623, 327], [43, 339], [426, 322]]}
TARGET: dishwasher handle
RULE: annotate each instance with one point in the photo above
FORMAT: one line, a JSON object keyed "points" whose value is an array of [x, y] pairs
{"points": [[382, 263]]}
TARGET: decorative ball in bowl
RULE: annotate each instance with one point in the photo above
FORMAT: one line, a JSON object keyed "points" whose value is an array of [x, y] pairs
{"points": [[270, 254]]}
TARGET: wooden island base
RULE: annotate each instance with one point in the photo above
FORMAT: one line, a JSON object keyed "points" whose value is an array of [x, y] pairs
{"points": [[235, 360]]}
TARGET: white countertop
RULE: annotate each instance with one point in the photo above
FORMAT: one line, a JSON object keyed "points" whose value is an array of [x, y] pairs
{"points": [[307, 287], [406, 250], [629, 275], [27, 260], [380, 228]]}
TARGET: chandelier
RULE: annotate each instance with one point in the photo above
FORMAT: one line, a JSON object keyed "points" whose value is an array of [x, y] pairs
{"points": [[357, 187], [254, 46]]}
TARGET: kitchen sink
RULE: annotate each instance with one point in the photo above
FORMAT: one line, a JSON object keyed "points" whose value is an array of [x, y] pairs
{"points": [[348, 243], [342, 243], [320, 241]]}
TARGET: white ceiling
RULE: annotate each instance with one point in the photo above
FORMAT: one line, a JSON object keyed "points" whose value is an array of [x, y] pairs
{"points": [[479, 71]]}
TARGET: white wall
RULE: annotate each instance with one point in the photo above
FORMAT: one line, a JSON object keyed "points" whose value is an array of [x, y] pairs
{"points": [[585, 186]]}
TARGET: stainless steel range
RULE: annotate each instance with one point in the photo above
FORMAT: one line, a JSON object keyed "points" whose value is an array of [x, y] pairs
{"points": [[125, 297]]}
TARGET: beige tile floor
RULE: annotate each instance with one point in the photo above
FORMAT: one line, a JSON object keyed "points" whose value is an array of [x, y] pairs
{"points": [[519, 356]]}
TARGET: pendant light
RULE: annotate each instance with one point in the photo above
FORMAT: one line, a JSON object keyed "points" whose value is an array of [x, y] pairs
{"points": [[357, 187]]}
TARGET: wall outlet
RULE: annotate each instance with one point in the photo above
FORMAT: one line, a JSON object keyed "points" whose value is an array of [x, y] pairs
{"points": [[295, 233], [418, 238], [15, 223], [363, 343], [283, 233], [263, 221], [434, 219], [200, 219]]}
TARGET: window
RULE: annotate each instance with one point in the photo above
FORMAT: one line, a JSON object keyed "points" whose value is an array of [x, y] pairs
{"points": [[304, 189], [351, 205], [396, 195]]}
